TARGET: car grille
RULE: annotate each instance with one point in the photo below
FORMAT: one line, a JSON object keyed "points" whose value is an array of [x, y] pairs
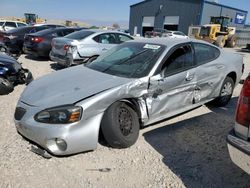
{"points": [[19, 113]]}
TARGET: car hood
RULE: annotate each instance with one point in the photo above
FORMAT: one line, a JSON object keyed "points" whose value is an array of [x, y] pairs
{"points": [[68, 86]]}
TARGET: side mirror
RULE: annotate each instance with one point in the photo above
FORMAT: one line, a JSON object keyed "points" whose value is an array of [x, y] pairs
{"points": [[158, 77]]}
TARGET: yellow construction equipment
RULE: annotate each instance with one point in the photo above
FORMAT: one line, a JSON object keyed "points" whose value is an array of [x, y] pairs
{"points": [[217, 32]]}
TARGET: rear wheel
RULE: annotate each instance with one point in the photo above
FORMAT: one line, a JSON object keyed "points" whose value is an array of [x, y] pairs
{"points": [[226, 92], [6, 86], [120, 125], [220, 42]]}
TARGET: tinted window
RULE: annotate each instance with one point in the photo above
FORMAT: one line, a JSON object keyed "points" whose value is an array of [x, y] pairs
{"points": [[180, 59], [1, 23], [10, 24], [108, 38], [131, 60], [79, 35], [205, 53], [68, 31], [123, 38], [20, 24]]}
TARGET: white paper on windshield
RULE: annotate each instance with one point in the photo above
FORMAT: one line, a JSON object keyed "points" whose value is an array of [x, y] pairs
{"points": [[152, 46]]}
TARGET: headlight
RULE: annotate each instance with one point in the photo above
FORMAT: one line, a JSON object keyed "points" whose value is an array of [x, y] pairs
{"points": [[60, 115]]}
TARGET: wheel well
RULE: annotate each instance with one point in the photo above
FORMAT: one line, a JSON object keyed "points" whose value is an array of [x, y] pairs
{"points": [[233, 76]]}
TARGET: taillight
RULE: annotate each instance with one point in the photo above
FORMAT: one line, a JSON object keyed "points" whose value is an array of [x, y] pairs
{"points": [[243, 106], [37, 39], [66, 47]]}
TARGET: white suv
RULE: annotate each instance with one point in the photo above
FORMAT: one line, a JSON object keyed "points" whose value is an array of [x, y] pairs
{"points": [[6, 25]]}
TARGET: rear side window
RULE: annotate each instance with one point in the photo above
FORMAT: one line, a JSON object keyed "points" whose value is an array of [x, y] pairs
{"points": [[79, 35], [205, 53], [123, 38], [10, 24], [107, 38]]}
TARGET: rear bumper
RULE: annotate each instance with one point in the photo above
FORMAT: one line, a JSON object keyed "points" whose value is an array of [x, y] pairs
{"points": [[36, 51], [66, 60], [239, 151]]}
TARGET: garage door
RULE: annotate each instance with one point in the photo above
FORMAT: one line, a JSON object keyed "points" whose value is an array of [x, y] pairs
{"points": [[148, 21], [171, 23]]}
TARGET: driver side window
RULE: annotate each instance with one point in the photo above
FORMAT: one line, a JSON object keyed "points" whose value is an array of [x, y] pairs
{"points": [[180, 59]]}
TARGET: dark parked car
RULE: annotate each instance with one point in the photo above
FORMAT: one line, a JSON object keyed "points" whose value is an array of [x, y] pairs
{"points": [[239, 138], [14, 38], [12, 74], [39, 43]]}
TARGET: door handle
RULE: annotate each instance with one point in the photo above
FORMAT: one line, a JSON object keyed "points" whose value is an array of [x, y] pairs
{"points": [[189, 77], [104, 49]]}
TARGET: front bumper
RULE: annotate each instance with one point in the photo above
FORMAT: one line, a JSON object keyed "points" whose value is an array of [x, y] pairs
{"points": [[63, 139], [239, 151]]}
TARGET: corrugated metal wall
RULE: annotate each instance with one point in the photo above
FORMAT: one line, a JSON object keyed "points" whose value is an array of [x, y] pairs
{"points": [[243, 37], [218, 10], [187, 10]]}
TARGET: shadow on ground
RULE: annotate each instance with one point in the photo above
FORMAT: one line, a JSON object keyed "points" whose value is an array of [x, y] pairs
{"points": [[31, 57], [195, 149]]}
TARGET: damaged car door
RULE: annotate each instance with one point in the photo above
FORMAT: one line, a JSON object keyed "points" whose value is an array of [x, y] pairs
{"points": [[172, 91], [209, 71]]}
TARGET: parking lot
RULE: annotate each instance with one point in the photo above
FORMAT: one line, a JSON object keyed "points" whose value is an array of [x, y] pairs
{"points": [[186, 151]]}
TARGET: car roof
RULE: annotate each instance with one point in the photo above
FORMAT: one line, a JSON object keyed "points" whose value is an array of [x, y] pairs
{"points": [[105, 31], [12, 21], [51, 30], [166, 41]]}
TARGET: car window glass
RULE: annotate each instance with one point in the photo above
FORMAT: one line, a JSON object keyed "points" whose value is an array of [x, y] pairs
{"points": [[180, 59], [1, 23], [107, 38], [205, 53], [123, 38], [66, 32], [21, 24], [10, 24], [79, 35]]}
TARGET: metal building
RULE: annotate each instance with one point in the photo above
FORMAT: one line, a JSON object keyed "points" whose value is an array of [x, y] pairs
{"points": [[179, 15]]}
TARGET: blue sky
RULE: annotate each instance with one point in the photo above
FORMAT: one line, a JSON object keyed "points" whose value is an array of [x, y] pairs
{"points": [[98, 10]]}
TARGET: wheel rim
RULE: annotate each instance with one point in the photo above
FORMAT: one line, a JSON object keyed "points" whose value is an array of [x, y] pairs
{"points": [[226, 91], [125, 121]]}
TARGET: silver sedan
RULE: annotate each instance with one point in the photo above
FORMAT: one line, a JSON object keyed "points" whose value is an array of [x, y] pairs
{"points": [[130, 86], [84, 46]]}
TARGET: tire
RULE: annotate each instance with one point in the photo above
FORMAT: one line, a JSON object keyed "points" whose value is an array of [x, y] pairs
{"points": [[226, 92], [231, 42], [220, 42], [6, 87], [120, 125]]}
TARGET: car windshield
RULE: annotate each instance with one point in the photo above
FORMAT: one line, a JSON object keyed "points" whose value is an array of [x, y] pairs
{"points": [[79, 35], [130, 60]]}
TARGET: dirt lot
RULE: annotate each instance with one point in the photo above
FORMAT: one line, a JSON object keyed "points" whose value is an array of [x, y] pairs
{"points": [[186, 151]]}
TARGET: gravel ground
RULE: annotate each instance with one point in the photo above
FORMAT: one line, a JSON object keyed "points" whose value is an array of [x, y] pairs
{"points": [[186, 151]]}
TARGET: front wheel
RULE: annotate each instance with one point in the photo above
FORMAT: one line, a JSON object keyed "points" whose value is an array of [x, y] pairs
{"points": [[226, 92], [120, 125]]}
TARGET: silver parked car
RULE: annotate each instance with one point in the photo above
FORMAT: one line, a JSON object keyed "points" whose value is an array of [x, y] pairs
{"points": [[134, 84], [85, 45]]}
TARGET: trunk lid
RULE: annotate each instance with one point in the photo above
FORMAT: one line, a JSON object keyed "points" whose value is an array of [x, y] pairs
{"points": [[58, 45]]}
